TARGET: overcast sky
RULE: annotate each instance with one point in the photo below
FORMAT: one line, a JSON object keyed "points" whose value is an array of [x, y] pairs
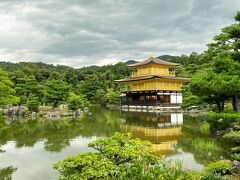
{"points": [[86, 32]]}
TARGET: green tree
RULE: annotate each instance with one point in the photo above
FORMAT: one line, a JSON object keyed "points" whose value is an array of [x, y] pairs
{"points": [[112, 97], [89, 87], [33, 104], [228, 43], [28, 87], [56, 92], [214, 88], [76, 102], [7, 93]]}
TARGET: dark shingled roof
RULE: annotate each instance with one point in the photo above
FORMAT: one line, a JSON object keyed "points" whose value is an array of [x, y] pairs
{"points": [[153, 76], [153, 60]]}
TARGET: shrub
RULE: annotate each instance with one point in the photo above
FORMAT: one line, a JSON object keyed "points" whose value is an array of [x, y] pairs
{"points": [[236, 156], [233, 136], [119, 157], [76, 102], [236, 149], [165, 170], [222, 167], [222, 121], [211, 176], [33, 104]]}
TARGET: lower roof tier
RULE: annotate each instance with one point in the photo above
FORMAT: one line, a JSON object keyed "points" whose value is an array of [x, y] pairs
{"points": [[171, 78]]}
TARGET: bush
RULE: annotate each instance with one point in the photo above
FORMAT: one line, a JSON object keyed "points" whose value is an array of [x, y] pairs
{"points": [[76, 102], [119, 157], [236, 156], [212, 176], [222, 121], [33, 104], [236, 149], [233, 136], [222, 167]]}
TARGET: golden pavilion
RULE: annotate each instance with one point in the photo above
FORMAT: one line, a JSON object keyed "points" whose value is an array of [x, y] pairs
{"points": [[152, 83]]}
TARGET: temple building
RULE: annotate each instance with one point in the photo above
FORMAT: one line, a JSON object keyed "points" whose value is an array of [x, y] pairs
{"points": [[152, 83]]}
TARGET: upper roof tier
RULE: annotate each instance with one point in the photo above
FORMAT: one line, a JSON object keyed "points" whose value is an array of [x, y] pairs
{"points": [[153, 60]]}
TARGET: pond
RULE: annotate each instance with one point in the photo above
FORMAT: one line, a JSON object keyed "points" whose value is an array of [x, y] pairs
{"points": [[29, 148]]}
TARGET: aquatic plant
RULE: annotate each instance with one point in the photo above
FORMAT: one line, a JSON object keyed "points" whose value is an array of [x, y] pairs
{"points": [[205, 128], [204, 144]]}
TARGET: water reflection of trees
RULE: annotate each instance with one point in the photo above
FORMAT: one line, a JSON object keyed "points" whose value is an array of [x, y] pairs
{"points": [[6, 173], [204, 148], [58, 133]]}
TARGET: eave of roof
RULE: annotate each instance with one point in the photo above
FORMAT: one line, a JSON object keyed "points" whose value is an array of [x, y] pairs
{"points": [[153, 60], [153, 76]]}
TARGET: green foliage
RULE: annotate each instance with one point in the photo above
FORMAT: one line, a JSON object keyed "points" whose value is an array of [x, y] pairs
{"points": [[233, 136], [222, 167], [205, 128], [222, 121], [119, 157], [33, 104], [76, 102], [236, 156], [235, 149], [165, 170], [56, 92], [94, 82], [7, 93], [212, 176], [112, 97], [27, 88], [214, 88], [191, 100]]}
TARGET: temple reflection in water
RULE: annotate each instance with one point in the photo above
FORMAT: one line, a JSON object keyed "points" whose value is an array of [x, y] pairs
{"points": [[163, 130]]}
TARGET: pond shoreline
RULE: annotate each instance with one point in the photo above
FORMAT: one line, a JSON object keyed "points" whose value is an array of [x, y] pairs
{"points": [[44, 112]]}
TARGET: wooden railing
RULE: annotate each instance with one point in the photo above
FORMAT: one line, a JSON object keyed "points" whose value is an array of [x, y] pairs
{"points": [[149, 103]]}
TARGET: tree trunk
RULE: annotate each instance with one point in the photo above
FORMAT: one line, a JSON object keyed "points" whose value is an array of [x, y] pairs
{"points": [[235, 103], [219, 106], [222, 106]]}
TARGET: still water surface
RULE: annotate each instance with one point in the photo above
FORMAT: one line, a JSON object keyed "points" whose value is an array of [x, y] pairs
{"points": [[31, 147]]}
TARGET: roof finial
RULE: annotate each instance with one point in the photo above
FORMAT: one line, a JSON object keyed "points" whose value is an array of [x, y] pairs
{"points": [[153, 55]]}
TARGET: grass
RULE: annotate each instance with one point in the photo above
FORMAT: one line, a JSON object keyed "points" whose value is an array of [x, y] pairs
{"points": [[204, 145], [205, 128]]}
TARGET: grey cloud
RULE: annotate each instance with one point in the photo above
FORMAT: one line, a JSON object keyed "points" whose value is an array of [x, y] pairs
{"points": [[83, 32]]}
